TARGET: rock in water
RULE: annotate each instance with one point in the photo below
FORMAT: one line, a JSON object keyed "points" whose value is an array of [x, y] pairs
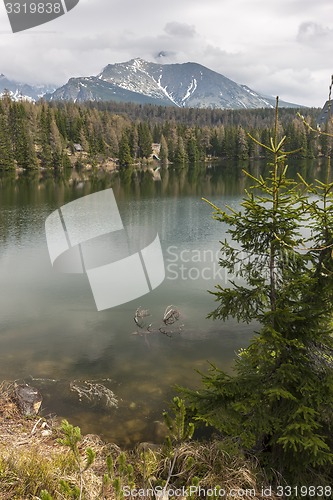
{"points": [[28, 399]]}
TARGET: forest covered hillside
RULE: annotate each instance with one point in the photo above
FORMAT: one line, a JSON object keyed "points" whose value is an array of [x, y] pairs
{"points": [[56, 135]]}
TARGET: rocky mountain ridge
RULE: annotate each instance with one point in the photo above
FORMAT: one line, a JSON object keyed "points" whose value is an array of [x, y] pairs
{"points": [[18, 91], [182, 85], [188, 85]]}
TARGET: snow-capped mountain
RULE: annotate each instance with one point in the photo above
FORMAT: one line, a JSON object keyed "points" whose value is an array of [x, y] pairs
{"points": [[19, 91], [183, 85]]}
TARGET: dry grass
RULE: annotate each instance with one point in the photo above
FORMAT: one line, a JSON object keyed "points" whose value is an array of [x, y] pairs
{"points": [[32, 460], [214, 464]]}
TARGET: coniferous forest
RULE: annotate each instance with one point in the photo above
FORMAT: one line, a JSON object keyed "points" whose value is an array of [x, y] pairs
{"points": [[58, 135]]}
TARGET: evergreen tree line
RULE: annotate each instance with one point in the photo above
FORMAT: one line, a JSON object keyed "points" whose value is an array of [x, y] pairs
{"points": [[44, 134]]}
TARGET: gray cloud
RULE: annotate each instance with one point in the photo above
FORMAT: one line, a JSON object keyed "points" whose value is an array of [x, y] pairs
{"points": [[314, 33], [180, 29]]}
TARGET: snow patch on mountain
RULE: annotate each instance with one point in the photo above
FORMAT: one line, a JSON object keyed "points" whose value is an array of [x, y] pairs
{"points": [[191, 89]]}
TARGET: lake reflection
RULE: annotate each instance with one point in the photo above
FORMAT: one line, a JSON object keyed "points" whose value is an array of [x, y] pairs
{"points": [[50, 331]]}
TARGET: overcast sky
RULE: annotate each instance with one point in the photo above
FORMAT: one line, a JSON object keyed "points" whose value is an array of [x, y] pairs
{"points": [[277, 47]]}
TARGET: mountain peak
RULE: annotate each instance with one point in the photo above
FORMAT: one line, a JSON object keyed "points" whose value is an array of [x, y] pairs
{"points": [[183, 84], [19, 91], [138, 61]]}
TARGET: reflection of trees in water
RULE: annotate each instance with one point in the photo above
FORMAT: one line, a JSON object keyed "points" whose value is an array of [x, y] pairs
{"points": [[27, 198], [32, 186]]}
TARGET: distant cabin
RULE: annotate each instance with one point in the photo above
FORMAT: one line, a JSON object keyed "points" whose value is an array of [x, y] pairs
{"points": [[156, 149]]}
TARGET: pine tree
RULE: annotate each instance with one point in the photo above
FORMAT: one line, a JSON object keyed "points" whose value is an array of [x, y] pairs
{"points": [[125, 158], [56, 144], [134, 141], [230, 142], [242, 144], [279, 401], [6, 153], [45, 152], [164, 152], [216, 141], [145, 140], [20, 130], [180, 153], [193, 152]]}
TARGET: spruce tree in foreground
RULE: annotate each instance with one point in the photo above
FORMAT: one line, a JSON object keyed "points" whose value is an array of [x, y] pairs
{"points": [[279, 401]]}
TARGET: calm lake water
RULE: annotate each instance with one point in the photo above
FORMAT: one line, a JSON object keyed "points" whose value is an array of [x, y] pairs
{"points": [[98, 368]]}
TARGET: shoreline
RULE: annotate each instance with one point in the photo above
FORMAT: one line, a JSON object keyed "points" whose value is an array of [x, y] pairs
{"points": [[38, 458]]}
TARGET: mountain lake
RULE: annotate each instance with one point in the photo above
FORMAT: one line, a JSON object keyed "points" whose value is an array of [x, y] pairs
{"points": [[100, 369]]}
